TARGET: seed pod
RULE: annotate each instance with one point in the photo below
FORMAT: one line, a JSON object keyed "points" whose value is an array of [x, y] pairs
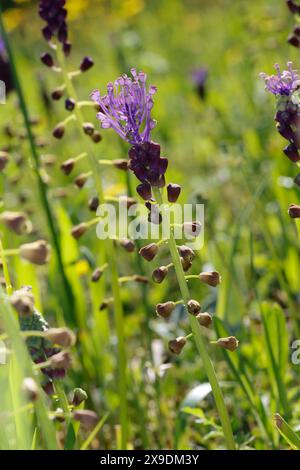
{"points": [[61, 360], [144, 190], [93, 204], [173, 191], [165, 309], [79, 396], [294, 211], [159, 274], [88, 128], [81, 180], [121, 164], [87, 418], [127, 244], [86, 64], [193, 307], [37, 252], [59, 131], [23, 302], [70, 104], [204, 319], [3, 159], [149, 251], [186, 252], [96, 137], [47, 59], [16, 221], [30, 389], [192, 228], [67, 166], [140, 279], [176, 345], [211, 278], [97, 274], [230, 343], [79, 230], [186, 264], [62, 336]]}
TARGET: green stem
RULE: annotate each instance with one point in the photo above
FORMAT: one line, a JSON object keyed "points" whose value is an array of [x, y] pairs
{"points": [[111, 258], [199, 339], [67, 291]]}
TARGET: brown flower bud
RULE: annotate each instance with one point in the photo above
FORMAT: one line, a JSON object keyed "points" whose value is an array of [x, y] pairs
{"points": [[16, 221], [159, 274], [121, 164], [3, 159], [173, 191], [204, 319], [57, 94], [81, 180], [61, 360], [140, 279], [59, 131], [176, 345], [23, 301], [186, 264], [186, 252], [93, 204], [127, 244], [88, 128], [79, 230], [62, 336], [68, 166], [30, 389], [293, 40], [96, 137], [192, 228], [211, 278], [79, 396], [294, 211], [193, 307], [165, 309], [149, 251], [96, 275], [37, 252], [230, 343], [87, 418]]}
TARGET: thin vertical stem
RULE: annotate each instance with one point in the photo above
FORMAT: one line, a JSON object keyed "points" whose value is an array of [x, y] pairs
{"points": [[199, 339]]}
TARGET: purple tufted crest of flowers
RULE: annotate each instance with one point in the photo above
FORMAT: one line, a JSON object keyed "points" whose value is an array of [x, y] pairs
{"points": [[283, 83], [127, 106]]}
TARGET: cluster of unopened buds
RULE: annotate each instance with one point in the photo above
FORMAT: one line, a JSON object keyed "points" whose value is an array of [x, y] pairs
{"points": [[294, 37]]}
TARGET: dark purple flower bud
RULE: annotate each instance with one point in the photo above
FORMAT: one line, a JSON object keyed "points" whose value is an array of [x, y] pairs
{"points": [[186, 252], [97, 274], [144, 190], [291, 152], [47, 59], [57, 94], [67, 166], [127, 244], [199, 78], [96, 137], [81, 180], [88, 128], [70, 104], [59, 131], [285, 131], [86, 64], [93, 204], [294, 211], [149, 251], [47, 33], [173, 191], [297, 180], [67, 48], [121, 164], [293, 40], [159, 274], [297, 30], [292, 6]]}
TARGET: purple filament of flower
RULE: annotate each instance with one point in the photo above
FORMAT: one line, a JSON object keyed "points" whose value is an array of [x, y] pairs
{"points": [[283, 83], [126, 107]]}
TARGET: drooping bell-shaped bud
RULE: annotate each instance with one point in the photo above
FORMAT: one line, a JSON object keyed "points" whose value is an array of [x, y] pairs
{"points": [[127, 244], [87, 418], [23, 302], [86, 64], [140, 279], [97, 274], [144, 190], [292, 153], [16, 221], [186, 252], [67, 166], [70, 104], [37, 252], [176, 345], [149, 251], [193, 307], [62, 336], [212, 278], [58, 93], [173, 191], [79, 396], [59, 130], [47, 59], [294, 211], [93, 203], [204, 319], [230, 343], [165, 309], [159, 274], [61, 360], [121, 164], [79, 230], [88, 128], [96, 137]]}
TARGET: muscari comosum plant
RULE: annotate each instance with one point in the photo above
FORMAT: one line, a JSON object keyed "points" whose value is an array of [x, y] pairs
{"points": [[126, 108]]}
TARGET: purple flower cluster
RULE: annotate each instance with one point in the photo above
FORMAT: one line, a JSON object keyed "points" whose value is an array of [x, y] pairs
{"points": [[147, 164], [287, 116], [54, 14]]}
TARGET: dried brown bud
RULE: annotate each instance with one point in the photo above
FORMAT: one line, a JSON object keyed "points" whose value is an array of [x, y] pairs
{"points": [[87, 418], [16, 221], [96, 137], [37, 252], [165, 309], [30, 389], [204, 319], [59, 131], [57, 93], [79, 396], [192, 228], [230, 343], [121, 164], [127, 244], [186, 252], [96, 274], [61, 360], [93, 204], [23, 301], [62, 336], [212, 278], [193, 307], [186, 264], [294, 211], [79, 230], [176, 345], [159, 274], [67, 166], [149, 251], [140, 279], [3, 159], [81, 180], [88, 128]]}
